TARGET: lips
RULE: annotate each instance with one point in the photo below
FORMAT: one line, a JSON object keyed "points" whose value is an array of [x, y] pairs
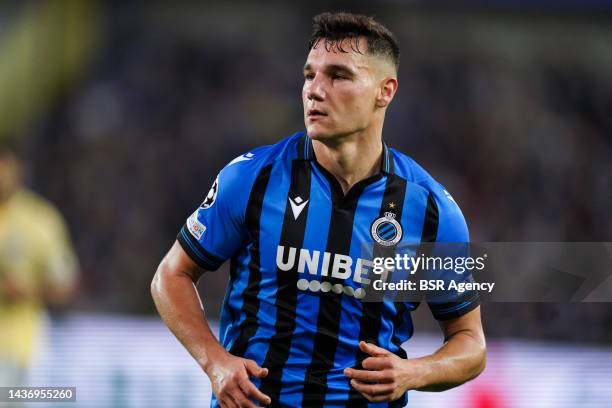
{"points": [[315, 113]]}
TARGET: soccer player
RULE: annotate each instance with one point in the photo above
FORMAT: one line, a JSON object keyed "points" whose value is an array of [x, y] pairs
{"points": [[38, 267], [293, 217]]}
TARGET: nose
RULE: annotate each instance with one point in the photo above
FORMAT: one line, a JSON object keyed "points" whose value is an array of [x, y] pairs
{"points": [[315, 89]]}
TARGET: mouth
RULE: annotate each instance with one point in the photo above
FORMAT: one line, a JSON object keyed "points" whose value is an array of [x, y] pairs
{"points": [[315, 114]]}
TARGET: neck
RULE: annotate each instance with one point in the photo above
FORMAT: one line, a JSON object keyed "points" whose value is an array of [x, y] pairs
{"points": [[350, 159]]}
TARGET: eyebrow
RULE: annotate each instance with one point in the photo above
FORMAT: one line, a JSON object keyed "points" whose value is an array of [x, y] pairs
{"points": [[332, 68]]}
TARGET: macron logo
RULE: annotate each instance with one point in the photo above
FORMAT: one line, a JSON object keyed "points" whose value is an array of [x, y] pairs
{"points": [[247, 156], [297, 205]]}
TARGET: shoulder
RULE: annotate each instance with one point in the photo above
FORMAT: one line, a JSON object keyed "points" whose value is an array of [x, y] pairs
{"points": [[235, 181], [38, 215], [249, 165], [452, 226], [37, 206]]}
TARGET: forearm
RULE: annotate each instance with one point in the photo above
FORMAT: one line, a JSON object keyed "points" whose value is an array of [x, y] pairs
{"points": [[178, 305], [460, 359]]}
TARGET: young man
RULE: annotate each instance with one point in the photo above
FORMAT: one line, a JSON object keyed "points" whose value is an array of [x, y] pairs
{"points": [[293, 218], [38, 267]]}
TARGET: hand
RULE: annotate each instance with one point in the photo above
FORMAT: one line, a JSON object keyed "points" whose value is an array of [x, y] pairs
{"points": [[229, 377], [12, 291], [386, 376]]}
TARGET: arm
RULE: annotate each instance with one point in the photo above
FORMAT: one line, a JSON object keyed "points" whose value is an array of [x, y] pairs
{"points": [[176, 299], [461, 358], [178, 304], [49, 250]]}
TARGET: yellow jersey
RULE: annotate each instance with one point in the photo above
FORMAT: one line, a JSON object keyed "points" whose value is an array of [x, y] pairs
{"points": [[35, 254]]}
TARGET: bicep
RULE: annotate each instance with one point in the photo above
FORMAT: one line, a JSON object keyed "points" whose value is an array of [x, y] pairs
{"points": [[178, 263], [469, 324]]}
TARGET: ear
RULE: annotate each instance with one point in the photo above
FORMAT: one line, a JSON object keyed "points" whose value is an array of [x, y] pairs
{"points": [[387, 89]]}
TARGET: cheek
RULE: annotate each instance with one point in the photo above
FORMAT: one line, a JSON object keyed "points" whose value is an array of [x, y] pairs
{"points": [[358, 104], [359, 97]]}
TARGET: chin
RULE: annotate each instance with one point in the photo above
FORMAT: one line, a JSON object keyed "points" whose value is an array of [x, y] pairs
{"points": [[317, 132]]}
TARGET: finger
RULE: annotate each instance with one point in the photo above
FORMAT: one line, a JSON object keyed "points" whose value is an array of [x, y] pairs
{"points": [[372, 390], [376, 363], [227, 402], [243, 401], [373, 349], [235, 397], [368, 375], [254, 370], [228, 398], [249, 389], [378, 398]]}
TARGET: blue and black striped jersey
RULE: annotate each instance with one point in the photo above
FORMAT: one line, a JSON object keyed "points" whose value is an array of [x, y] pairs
{"points": [[294, 297]]}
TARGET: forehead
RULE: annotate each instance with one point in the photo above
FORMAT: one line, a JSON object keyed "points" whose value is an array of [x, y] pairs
{"points": [[348, 52]]}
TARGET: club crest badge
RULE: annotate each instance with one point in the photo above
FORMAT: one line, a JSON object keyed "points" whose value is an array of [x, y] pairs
{"points": [[386, 230]]}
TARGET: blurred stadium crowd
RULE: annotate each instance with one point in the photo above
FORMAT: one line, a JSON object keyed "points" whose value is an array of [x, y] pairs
{"points": [[511, 111]]}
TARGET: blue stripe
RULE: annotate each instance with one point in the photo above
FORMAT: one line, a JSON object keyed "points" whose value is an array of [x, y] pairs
{"points": [[386, 158], [229, 329], [413, 214], [306, 147], [233, 305]]}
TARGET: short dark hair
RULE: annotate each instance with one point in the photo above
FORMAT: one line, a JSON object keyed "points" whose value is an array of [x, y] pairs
{"points": [[335, 27]]}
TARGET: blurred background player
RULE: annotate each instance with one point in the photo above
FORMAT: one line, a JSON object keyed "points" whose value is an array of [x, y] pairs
{"points": [[38, 267]]}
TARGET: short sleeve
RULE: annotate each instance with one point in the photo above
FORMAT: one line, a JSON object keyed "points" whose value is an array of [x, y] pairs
{"points": [[57, 254], [215, 230], [452, 244]]}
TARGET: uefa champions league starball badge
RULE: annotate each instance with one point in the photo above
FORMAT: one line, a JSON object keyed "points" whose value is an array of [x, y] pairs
{"points": [[386, 230], [211, 196]]}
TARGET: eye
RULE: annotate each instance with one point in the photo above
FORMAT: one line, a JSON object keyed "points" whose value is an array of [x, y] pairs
{"points": [[308, 76], [339, 76]]}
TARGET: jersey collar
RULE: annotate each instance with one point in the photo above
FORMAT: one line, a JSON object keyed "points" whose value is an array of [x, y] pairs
{"points": [[306, 152]]}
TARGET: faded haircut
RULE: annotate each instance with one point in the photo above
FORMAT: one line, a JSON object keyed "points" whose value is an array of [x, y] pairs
{"points": [[333, 28]]}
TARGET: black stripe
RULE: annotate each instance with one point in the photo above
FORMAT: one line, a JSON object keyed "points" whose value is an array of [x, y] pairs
{"points": [[391, 161], [250, 305], [430, 224], [301, 153], [400, 312], [195, 251], [393, 201], [330, 303], [429, 232], [446, 311], [230, 284], [292, 235]]}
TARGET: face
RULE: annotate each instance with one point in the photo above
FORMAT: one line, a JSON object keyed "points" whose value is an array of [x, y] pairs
{"points": [[340, 91]]}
